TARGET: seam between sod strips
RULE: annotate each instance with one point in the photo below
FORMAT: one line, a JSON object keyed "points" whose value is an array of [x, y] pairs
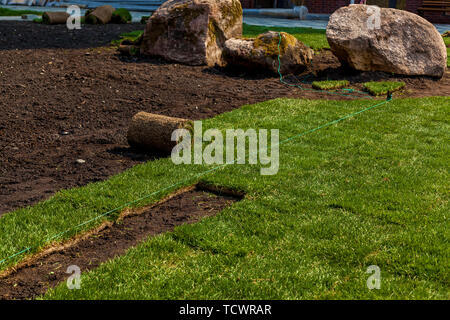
{"points": [[206, 171]]}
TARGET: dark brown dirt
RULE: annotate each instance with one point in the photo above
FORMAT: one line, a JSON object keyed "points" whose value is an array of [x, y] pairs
{"points": [[36, 277], [65, 96]]}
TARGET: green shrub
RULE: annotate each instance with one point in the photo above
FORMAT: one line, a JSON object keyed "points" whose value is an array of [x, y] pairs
{"points": [[330, 84], [383, 87], [144, 19], [121, 16]]}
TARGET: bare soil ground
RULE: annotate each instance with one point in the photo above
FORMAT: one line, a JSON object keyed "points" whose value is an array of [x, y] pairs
{"points": [[67, 95]]}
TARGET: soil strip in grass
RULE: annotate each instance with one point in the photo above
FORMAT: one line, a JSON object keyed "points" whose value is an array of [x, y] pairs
{"points": [[36, 276]]}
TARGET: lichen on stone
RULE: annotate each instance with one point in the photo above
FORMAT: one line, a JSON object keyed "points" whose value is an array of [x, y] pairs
{"points": [[215, 32], [212, 31], [232, 13], [190, 14]]}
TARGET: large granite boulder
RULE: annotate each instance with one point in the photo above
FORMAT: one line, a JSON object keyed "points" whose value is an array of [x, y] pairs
{"points": [[396, 41], [262, 53], [192, 31]]}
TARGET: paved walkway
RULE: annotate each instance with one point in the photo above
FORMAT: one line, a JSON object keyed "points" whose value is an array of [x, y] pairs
{"points": [[315, 24], [278, 22]]}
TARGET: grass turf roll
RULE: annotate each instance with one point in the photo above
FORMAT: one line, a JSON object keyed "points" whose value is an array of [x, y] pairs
{"points": [[100, 15], [153, 132], [55, 17]]}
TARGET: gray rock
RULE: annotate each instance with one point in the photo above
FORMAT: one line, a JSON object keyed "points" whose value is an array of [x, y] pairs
{"points": [[402, 42]]}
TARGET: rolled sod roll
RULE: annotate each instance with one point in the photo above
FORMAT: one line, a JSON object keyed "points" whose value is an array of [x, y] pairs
{"points": [[150, 132], [55, 17], [100, 15], [129, 50]]}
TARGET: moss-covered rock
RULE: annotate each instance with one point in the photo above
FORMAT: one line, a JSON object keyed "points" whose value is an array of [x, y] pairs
{"points": [[264, 51], [275, 43], [192, 31]]}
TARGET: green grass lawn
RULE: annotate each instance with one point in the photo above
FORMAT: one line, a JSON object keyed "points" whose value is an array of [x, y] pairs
{"points": [[330, 84], [372, 190], [13, 13], [447, 43], [378, 88]]}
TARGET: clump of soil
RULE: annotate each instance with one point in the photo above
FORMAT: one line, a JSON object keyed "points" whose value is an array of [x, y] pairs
{"points": [[37, 276], [67, 98]]}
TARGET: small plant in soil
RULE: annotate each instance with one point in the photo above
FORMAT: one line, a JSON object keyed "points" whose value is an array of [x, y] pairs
{"points": [[330, 84], [132, 37], [383, 87]]}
